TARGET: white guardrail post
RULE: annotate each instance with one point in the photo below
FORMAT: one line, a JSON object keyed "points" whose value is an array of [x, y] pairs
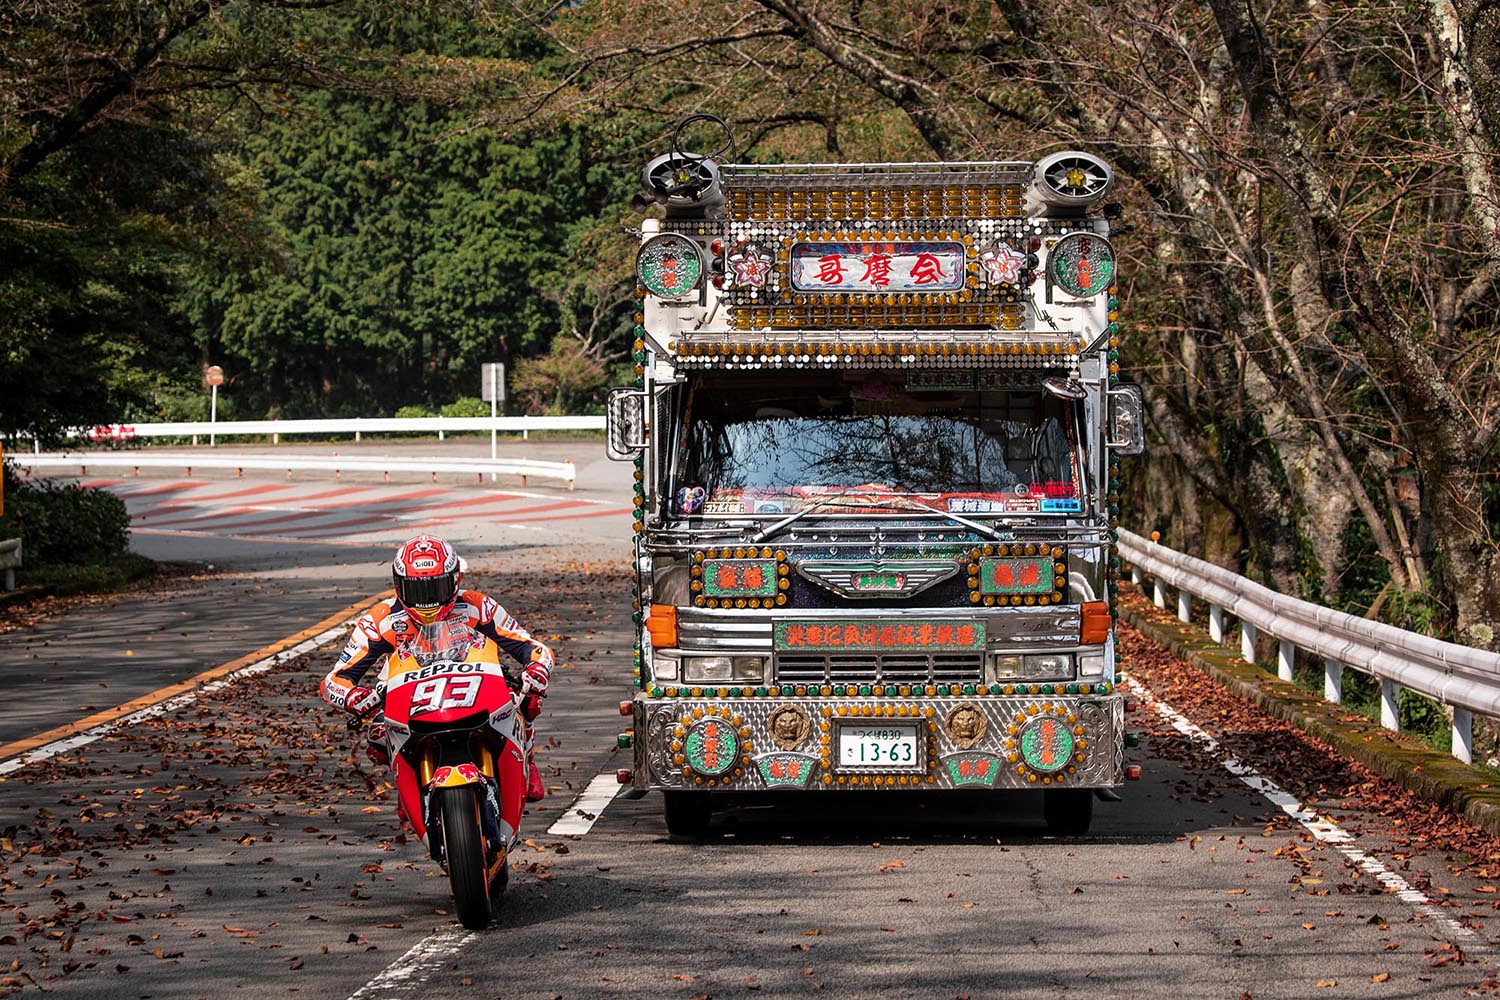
{"points": [[1333, 681], [10, 561], [1463, 678], [1390, 705], [1286, 659]]}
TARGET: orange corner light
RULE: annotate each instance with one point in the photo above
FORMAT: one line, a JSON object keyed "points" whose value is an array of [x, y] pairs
{"points": [[1096, 623], [661, 623]]}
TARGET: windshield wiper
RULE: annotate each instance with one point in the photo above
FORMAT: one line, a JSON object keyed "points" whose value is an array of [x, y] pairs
{"points": [[983, 529], [822, 501]]}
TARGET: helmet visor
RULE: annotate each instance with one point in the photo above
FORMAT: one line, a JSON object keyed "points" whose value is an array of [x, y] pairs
{"points": [[426, 591]]}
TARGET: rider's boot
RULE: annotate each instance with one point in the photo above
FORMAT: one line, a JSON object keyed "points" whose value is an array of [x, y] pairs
{"points": [[535, 790]]}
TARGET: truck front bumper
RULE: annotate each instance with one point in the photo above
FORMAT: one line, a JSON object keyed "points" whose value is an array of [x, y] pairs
{"points": [[751, 744]]}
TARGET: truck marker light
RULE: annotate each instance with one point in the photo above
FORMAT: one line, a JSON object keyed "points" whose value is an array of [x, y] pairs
{"points": [[661, 623], [1096, 623]]}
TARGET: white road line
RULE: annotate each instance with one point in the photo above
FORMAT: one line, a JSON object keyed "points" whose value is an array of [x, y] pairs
{"points": [[187, 698], [409, 973], [1324, 830], [588, 807], [405, 976]]}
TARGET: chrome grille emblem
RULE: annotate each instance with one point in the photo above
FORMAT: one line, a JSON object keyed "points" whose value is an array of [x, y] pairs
{"points": [[877, 578]]}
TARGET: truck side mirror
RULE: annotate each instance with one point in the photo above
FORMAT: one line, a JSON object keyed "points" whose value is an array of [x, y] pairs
{"points": [[1126, 423], [625, 424]]}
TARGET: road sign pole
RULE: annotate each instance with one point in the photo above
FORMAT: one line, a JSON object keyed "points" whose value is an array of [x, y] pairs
{"points": [[492, 388], [213, 377]]}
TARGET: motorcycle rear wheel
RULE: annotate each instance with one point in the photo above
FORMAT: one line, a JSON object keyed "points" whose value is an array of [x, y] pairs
{"points": [[463, 845]]}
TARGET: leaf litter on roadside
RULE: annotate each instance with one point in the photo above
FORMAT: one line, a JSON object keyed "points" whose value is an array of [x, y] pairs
{"points": [[257, 766]]}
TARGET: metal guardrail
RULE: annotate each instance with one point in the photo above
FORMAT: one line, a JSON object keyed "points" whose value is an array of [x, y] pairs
{"points": [[355, 426], [1462, 677], [137, 460]]}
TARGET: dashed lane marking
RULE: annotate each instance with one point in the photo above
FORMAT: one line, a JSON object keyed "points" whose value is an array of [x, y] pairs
{"points": [[588, 807], [409, 973], [1325, 831], [16, 755]]}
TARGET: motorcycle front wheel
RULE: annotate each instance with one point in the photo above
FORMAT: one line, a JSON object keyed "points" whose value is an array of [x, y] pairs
{"points": [[463, 844]]}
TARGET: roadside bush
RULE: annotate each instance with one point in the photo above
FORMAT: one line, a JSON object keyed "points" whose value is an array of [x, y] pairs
{"points": [[413, 412], [466, 406], [64, 523]]}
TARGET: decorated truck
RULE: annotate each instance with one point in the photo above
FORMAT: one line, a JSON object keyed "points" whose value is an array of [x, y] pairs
{"points": [[875, 428]]}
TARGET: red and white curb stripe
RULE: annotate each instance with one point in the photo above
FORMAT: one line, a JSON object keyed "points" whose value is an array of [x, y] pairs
{"points": [[1325, 831]]}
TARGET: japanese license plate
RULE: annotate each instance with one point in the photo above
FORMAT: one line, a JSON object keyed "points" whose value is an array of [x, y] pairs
{"points": [[882, 747]]}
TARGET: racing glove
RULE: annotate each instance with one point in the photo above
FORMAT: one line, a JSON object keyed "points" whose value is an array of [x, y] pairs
{"points": [[361, 701], [534, 679]]}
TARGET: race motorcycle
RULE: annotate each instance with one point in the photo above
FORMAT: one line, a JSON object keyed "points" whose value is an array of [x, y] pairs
{"points": [[456, 730]]}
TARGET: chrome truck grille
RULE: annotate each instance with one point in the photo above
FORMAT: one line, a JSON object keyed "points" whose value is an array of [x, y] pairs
{"points": [[875, 668]]}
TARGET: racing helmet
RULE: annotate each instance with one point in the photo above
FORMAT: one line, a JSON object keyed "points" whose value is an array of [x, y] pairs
{"points": [[427, 572]]}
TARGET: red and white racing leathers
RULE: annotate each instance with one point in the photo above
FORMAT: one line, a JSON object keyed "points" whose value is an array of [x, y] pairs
{"points": [[378, 631]]}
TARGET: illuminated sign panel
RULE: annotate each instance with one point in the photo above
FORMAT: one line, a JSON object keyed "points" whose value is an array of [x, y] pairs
{"points": [[879, 636], [878, 267]]}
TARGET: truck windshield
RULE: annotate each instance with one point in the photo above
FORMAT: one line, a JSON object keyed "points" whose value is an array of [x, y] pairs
{"points": [[773, 442]]}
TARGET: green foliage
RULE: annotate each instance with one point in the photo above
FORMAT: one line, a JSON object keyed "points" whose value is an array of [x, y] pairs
{"points": [[413, 412], [563, 381], [1424, 717], [179, 400], [1417, 612], [92, 270], [64, 523], [466, 406], [311, 196], [411, 247]]}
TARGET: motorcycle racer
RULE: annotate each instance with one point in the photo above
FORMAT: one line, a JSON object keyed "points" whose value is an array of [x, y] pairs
{"points": [[427, 573]]}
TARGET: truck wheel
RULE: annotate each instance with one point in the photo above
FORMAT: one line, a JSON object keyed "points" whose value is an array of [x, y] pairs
{"points": [[687, 813], [1068, 811]]}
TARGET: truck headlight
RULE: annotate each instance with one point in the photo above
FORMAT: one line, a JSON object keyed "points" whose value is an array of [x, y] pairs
{"points": [[721, 669], [1006, 666], [1091, 664], [664, 668], [1048, 665]]}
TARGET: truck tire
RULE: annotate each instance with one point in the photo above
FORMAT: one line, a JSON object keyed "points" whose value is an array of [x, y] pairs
{"points": [[687, 813], [1068, 811], [463, 847]]}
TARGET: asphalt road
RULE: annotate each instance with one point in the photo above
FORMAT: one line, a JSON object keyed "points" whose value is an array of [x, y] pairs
{"points": [[239, 846], [263, 558]]}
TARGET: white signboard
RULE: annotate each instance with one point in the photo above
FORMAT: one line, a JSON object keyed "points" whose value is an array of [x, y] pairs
{"points": [[492, 387]]}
